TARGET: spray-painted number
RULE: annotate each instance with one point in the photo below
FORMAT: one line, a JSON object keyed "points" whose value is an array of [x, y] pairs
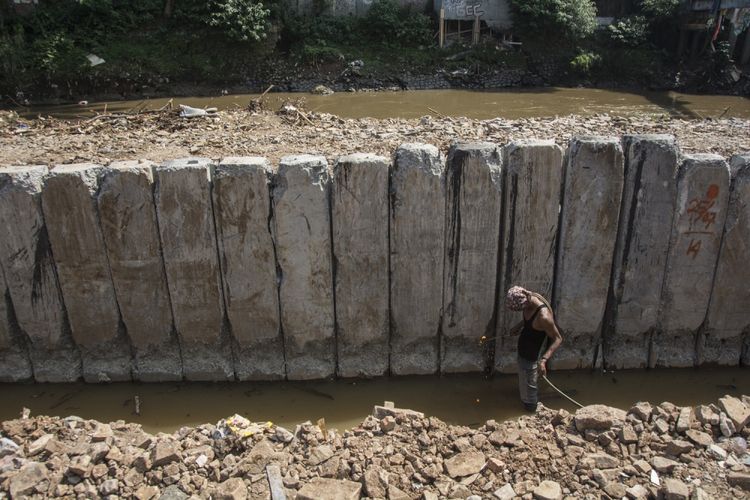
{"points": [[702, 216]]}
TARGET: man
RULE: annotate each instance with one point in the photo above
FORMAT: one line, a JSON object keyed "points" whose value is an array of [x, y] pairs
{"points": [[538, 326]]}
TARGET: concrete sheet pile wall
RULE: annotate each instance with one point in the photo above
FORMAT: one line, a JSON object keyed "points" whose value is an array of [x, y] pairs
{"points": [[188, 237], [417, 238], [131, 233], [14, 361], [697, 226], [242, 200], [31, 278], [75, 234], [359, 209], [531, 211], [473, 207], [641, 251], [302, 220], [727, 323], [204, 270], [588, 230]]}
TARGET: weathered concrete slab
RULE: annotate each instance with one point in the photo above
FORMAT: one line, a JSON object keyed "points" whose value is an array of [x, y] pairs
{"points": [[242, 202], [641, 249], [701, 209], [69, 204], [31, 276], [588, 230], [303, 246], [188, 238], [128, 218], [728, 319], [473, 208], [359, 208], [14, 361], [532, 209], [417, 241]]}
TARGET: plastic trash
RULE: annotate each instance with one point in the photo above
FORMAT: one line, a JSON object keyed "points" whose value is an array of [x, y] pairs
{"points": [[95, 60], [655, 478], [238, 426], [190, 112]]}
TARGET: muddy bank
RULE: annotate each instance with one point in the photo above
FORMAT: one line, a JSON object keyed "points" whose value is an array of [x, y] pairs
{"points": [[164, 135], [597, 452]]}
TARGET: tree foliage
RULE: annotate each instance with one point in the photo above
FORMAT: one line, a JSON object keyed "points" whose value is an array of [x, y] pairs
{"points": [[629, 31], [571, 20], [242, 20], [660, 8]]}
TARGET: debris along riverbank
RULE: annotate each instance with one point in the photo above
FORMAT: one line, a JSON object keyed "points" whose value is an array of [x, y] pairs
{"points": [[161, 135], [598, 452]]}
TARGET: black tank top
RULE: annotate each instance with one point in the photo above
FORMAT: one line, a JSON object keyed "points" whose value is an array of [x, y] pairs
{"points": [[530, 341]]}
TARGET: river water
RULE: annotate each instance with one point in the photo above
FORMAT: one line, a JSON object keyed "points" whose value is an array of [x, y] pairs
{"points": [[464, 399], [510, 104]]}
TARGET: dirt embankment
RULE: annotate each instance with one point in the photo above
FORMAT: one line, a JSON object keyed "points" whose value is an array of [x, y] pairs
{"points": [[650, 451], [163, 135]]}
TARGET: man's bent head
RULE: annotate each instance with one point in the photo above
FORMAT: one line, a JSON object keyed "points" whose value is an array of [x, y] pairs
{"points": [[516, 298]]}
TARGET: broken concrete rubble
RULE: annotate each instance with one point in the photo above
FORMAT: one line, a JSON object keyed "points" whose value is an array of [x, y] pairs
{"points": [[542, 456]]}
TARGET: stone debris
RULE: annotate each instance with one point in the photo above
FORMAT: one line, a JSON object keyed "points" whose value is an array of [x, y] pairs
{"points": [[548, 490], [163, 136], [395, 454], [736, 410], [598, 418]]}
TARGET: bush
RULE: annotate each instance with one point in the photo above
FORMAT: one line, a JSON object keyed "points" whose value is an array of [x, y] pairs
{"points": [[585, 63], [387, 21], [242, 20], [572, 20], [660, 8], [630, 31], [385, 24]]}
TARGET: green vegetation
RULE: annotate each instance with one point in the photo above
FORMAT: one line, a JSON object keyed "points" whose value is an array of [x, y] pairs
{"points": [[571, 20], [149, 42], [149, 45], [239, 19]]}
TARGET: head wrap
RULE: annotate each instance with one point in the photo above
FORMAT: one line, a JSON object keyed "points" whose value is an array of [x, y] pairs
{"points": [[516, 298]]}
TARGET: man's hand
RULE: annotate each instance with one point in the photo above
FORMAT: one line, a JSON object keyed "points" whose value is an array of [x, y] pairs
{"points": [[543, 367]]}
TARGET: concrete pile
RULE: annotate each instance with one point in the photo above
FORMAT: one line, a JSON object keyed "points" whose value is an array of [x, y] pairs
{"points": [[233, 270], [650, 451]]}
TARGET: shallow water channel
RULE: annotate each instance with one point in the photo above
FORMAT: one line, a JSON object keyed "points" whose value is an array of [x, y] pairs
{"points": [[510, 104], [464, 399]]}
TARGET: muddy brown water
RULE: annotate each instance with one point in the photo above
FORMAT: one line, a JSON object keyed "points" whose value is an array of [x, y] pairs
{"points": [[464, 399], [510, 104]]}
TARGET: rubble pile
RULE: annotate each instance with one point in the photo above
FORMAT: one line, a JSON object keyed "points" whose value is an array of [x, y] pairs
{"points": [[163, 135], [650, 451]]}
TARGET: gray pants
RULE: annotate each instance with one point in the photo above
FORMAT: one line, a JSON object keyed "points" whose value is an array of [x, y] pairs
{"points": [[527, 377]]}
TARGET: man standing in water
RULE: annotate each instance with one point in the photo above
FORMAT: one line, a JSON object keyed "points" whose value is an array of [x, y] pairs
{"points": [[538, 326]]}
